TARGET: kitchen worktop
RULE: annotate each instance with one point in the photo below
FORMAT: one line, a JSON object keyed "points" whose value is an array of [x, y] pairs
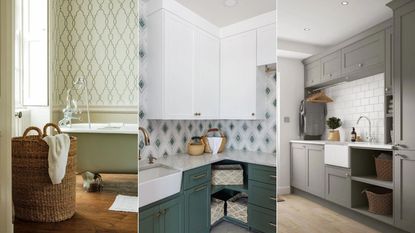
{"points": [[362, 145], [186, 162]]}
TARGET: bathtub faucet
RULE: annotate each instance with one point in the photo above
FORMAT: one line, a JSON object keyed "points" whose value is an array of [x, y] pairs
{"points": [[69, 111]]}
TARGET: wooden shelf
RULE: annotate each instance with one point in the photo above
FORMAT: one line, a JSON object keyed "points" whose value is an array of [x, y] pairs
{"points": [[373, 181], [388, 219], [238, 188]]}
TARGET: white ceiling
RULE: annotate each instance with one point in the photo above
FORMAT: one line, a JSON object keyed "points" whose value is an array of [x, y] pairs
{"points": [[217, 13], [329, 21]]}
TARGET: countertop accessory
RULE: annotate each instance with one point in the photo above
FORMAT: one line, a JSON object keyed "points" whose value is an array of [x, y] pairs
{"points": [[229, 174], [196, 146], [319, 97], [334, 123], [383, 163], [379, 199], [35, 197], [206, 141]]}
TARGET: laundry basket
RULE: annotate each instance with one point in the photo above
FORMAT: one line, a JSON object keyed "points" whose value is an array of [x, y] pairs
{"points": [[35, 198], [380, 200]]}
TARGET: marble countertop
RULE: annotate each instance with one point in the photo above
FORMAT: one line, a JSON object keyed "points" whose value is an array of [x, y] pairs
{"points": [[186, 162], [362, 145]]}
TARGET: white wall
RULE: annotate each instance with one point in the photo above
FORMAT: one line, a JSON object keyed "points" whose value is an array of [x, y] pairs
{"points": [[290, 91]]}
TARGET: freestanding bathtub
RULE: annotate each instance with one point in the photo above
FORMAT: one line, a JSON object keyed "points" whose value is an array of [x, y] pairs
{"points": [[106, 148]]}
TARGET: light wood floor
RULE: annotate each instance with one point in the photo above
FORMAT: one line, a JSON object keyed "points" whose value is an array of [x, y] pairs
{"points": [[299, 215], [92, 214]]}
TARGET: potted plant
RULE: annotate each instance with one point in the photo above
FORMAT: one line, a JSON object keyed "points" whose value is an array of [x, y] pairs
{"points": [[333, 123]]}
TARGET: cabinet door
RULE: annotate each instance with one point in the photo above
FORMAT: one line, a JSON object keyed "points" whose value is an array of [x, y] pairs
{"points": [[388, 61], [197, 209], [149, 220], [178, 68], [404, 190], [298, 166], [266, 45], [172, 216], [207, 79], [364, 54], [312, 73], [338, 186], [331, 66], [404, 75], [316, 170], [238, 76]]}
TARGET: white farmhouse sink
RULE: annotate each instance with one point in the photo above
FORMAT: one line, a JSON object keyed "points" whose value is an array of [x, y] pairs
{"points": [[157, 182]]}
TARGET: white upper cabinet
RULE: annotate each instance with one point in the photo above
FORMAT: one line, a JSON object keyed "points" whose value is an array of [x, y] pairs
{"points": [[183, 63], [239, 77], [266, 45], [207, 79]]}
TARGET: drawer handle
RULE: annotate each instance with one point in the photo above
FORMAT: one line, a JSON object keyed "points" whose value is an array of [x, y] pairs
{"points": [[200, 188], [272, 224], [272, 177], [199, 176], [273, 198]]}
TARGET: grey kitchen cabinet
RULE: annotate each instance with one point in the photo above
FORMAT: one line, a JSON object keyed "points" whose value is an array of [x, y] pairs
{"points": [[338, 185], [315, 170], [404, 190], [331, 66], [404, 72], [307, 168], [388, 60], [312, 73], [299, 166], [368, 53]]}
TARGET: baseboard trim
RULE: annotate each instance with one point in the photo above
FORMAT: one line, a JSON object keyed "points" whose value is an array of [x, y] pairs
{"points": [[284, 190]]}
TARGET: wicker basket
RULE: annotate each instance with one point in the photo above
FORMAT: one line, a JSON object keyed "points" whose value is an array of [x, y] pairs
{"points": [[205, 140], [217, 210], [380, 200], [237, 207], [383, 169], [196, 146], [35, 198], [230, 174]]}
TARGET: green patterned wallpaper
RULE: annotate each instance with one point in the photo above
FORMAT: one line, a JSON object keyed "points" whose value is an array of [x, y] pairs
{"points": [[97, 39]]}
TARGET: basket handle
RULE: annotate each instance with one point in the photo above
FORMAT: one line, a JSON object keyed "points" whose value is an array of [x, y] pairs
{"points": [[215, 130], [50, 125], [39, 132]]}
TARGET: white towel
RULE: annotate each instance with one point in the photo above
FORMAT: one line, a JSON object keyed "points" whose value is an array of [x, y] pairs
{"points": [[58, 156], [214, 144]]}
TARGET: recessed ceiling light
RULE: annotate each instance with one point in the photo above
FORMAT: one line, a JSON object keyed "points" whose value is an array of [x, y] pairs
{"points": [[230, 3], [344, 3], [307, 29]]}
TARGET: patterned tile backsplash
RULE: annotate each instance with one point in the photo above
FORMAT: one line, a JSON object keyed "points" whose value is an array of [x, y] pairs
{"points": [[171, 136], [363, 97], [97, 40]]}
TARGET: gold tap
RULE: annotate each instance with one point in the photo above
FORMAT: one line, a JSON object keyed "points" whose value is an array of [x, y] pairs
{"points": [[146, 139]]}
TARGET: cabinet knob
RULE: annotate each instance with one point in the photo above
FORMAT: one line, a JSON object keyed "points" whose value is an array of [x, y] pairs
{"points": [[252, 114], [331, 75], [197, 113], [360, 65], [347, 174]]}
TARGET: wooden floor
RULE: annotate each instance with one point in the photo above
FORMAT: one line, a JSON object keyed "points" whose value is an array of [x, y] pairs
{"points": [[297, 215], [92, 214]]}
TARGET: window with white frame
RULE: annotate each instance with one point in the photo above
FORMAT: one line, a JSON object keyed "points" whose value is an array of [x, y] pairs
{"points": [[31, 53]]}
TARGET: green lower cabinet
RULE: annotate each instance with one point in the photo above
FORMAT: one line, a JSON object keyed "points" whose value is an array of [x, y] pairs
{"points": [[262, 195], [149, 221], [261, 219], [197, 209], [166, 217]]}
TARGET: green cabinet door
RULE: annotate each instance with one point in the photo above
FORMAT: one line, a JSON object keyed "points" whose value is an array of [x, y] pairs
{"points": [[197, 209], [172, 216], [149, 220]]}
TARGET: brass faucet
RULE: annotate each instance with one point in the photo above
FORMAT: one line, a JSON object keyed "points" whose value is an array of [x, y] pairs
{"points": [[146, 139]]}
